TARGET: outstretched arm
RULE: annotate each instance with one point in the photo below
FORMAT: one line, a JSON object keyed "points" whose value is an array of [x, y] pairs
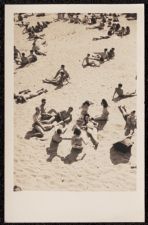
{"points": [[57, 74], [114, 94]]}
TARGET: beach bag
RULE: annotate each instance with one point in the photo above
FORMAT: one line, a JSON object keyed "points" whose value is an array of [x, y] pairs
{"points": [[124, 145]]}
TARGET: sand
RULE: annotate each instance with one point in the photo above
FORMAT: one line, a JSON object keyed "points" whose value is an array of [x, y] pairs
{"points": [[101, 169]]}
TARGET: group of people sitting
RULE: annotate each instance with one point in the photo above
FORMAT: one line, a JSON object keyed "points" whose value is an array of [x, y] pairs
{"points": [[98, 58], [60, 78], [22, 60]]}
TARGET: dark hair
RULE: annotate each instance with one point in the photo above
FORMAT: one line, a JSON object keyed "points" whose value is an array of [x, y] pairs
{"points": [[62, 65], [104, 103], [88, 54], [70, 108], [133, 111], [120, 85], [86, 103], [59, 131], [31, 51], [105, 49], [85, 122], [77, 131], [23, 54], [43, 100]]}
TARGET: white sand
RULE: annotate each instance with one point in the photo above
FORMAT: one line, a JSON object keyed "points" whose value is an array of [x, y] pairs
{"points": [[100, 170]]}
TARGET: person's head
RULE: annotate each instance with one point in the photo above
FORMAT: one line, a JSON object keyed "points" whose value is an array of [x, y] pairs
{"points": [[86, 103], [70, 109], [86, 117], [23, 54], [88, 55], [14, 47], [105, 50], [104, 103], [133, 112], [120, 85], [62, 66], [113, 49], [43, 101], [37, 109], [77, 132], [33, 43], [59, 131], [31, 52]]}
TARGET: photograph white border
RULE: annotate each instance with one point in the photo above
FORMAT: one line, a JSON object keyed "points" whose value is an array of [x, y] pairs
{"points": [[43, 206]]}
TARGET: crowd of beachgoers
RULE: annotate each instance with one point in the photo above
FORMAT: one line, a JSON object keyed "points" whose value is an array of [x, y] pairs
{"points": [[45, 119]]}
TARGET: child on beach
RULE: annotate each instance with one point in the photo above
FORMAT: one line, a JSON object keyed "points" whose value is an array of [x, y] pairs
{"points": [[77, 141], [85, 107]]}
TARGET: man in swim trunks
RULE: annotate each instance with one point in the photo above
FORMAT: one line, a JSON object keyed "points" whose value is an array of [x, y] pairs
{"points": [[119, 92], [88, 62], [62, 117], [65, 75]]}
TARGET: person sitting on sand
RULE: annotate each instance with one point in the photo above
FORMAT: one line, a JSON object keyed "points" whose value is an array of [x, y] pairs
{"points": [[85, 19], [121, 32], [36, 49], [45, 115], [87, 61], [101, 120], [93, 19], [22, 97], [111, 53], [127, 30], [91, 129], [58, 81], [63, 70], [120, 93], [32, 58], [62, 117], [16, 55], [102, 56], [24, 60], [85, 107], [130, 119], [20, 19], [37, 126], [38, 27], [77, 20]]}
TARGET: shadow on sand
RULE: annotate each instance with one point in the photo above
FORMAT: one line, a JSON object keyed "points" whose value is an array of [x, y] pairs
{"points": [[118, 157], [73, 156]]}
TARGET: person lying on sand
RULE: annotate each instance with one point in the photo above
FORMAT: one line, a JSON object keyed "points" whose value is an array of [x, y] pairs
{"points": [[130, 118], [17, 54], [102, 56], [91, 129], [45, 115], [38, 128], [36, 49], [120, 93], [62, 117], [87, 61], [23, 97]]}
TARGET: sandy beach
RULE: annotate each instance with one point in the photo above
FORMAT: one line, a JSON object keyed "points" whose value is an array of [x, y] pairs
{"points": [[102, 169]]}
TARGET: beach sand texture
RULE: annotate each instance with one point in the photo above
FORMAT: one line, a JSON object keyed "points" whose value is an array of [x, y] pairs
{"points": [[101, 169]]}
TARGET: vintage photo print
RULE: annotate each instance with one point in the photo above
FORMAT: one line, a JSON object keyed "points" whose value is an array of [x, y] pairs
{"points": [[74, 113]]}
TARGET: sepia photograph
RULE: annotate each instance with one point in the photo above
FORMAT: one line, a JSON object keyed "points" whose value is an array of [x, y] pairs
{"points": [[75, 101], [75, 92]]}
